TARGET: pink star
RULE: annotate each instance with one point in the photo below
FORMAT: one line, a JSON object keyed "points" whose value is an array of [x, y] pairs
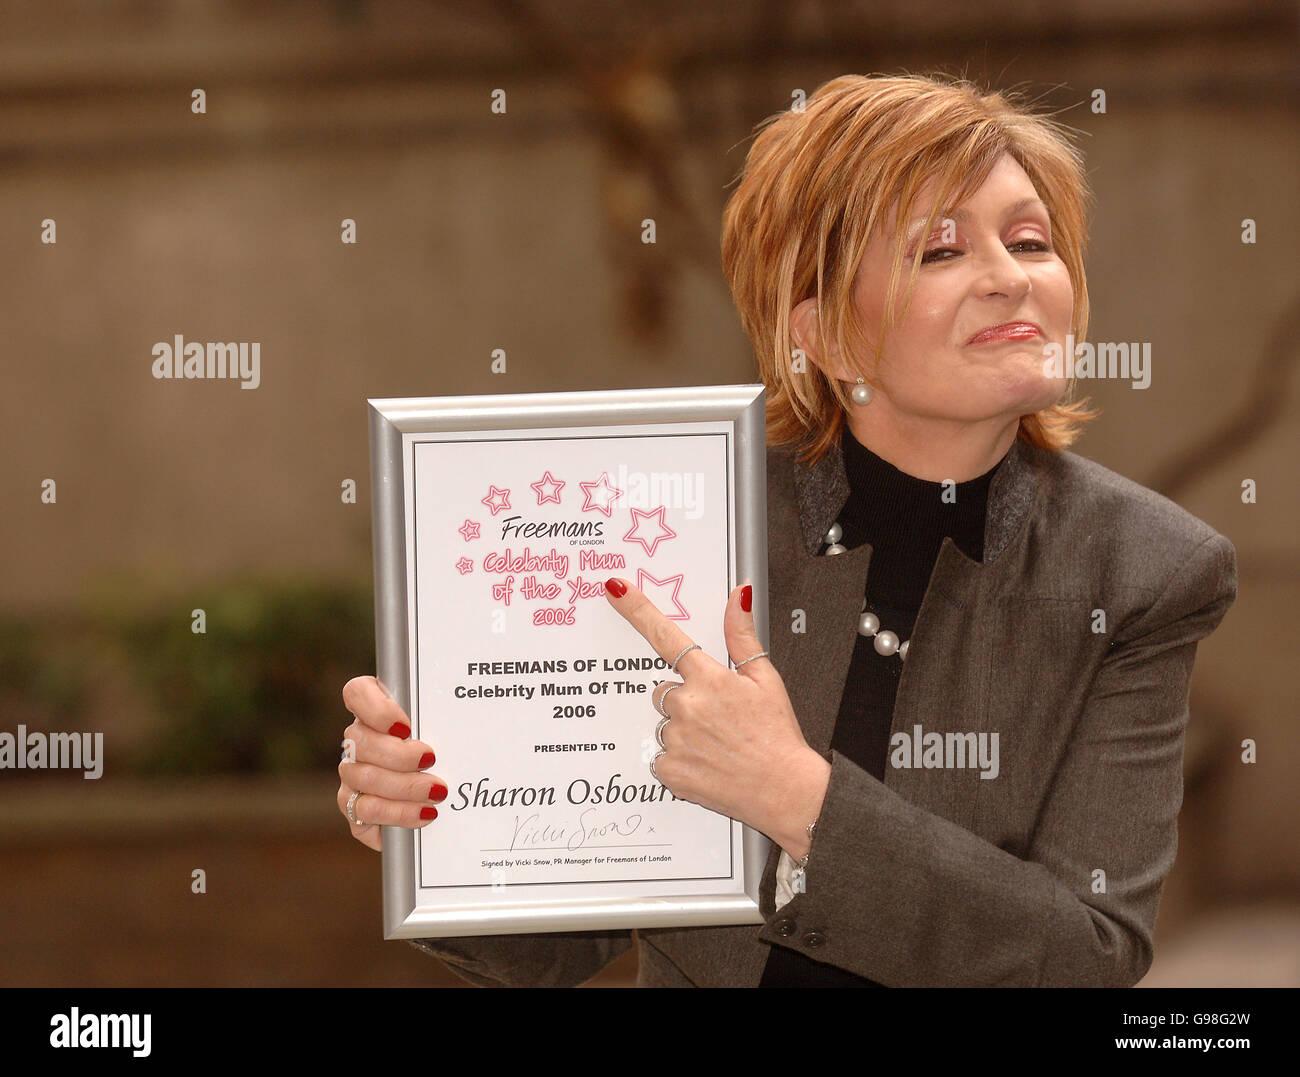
{"points": [[491, 500], [659, 599], [464, 566], [600, 494], [553, 491], [662, 530], [468, 530]]}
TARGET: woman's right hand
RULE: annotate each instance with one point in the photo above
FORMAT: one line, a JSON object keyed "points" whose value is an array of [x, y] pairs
{"points": [[384, 766]]}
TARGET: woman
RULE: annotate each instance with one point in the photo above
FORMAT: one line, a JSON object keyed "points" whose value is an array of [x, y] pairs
{"points": [[1005, 813]]}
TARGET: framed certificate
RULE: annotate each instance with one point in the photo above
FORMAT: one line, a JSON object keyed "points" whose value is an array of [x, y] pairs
{"points": [[497, 520]]}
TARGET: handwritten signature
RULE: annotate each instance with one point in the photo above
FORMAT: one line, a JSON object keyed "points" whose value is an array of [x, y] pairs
{"points": [[532, 831]]}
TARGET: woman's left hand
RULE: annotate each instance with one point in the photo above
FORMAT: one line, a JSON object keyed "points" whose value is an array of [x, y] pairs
{"points": [[733, 743]]}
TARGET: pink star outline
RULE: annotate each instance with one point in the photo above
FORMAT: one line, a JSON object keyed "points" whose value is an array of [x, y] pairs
{"points": [[665, 532], [675, 581], [465, 566], [548, 480], [609, 494], [491, 500], [468, 530]]}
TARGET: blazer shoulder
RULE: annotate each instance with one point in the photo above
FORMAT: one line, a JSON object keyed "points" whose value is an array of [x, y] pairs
{"points": [[781, 461], [780, 453], [1086, 495], [1113, 536]]}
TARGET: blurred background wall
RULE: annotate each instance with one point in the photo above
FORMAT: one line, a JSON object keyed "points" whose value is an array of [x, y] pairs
{"points": [[479, 230]]}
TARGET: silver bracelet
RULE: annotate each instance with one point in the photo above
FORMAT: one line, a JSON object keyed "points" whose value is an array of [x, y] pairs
{"points": [[798, 877]]}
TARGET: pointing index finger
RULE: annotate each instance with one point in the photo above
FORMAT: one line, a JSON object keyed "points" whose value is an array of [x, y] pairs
{"points": [[667, 639]]}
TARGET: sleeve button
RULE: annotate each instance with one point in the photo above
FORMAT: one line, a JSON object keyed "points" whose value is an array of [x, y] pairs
{"points": [[816, 937], [785, 927]]}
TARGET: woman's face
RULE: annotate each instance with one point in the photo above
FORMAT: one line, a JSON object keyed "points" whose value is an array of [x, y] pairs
{"points": [[995, 265]]}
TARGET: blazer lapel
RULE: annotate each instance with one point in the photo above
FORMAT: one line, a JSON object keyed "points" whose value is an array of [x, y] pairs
{"points": [[830, 589]]}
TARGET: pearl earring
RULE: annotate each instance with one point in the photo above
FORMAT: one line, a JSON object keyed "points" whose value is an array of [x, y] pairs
{"points": [[861, 392]]}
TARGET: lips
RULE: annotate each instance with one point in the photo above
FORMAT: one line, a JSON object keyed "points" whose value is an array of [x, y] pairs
{"points": [[1006, 331]]}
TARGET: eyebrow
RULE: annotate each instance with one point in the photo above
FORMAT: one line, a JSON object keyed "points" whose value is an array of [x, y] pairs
{"points": [[961, 215]]}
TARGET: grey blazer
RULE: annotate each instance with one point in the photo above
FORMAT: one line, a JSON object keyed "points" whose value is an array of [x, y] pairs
{"points": [[1047, 875]]}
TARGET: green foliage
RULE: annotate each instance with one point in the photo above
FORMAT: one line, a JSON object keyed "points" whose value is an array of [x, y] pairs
{"points": [[41, 686], [257, 692]]}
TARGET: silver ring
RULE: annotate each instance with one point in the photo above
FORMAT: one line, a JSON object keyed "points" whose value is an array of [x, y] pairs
{"points": [[652, 766], [352, 810], [659, 706], [659, 732], [761, 654], [692, 647]]}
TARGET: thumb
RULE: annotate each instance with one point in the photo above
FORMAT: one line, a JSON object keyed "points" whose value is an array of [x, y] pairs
{"points": [[741, 635]]}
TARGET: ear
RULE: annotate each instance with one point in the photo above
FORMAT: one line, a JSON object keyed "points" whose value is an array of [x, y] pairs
{"points": [[806, 331]]}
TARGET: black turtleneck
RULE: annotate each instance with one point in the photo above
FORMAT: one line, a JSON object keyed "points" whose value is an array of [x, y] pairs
{"points": [[905, 521]]}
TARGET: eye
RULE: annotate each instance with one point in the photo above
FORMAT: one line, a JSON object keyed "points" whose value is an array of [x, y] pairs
{"points": [[930, 255], [1031, 244]]}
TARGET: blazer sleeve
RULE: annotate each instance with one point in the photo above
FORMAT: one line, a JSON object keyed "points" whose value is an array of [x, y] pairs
{"points": [[908, 898], [550, 959]]}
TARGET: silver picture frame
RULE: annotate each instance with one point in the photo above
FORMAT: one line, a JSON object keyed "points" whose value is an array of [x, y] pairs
{"points": [[396, 426]]}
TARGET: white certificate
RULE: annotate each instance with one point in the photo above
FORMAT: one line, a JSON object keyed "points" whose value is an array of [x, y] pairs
{"points": [[497, 521]]}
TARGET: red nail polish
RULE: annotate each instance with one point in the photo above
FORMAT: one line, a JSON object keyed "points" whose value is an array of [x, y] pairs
{"points": [[426, 761], [616, 587], [428, 813], [746, 597], [399, 729], [438, 793]]}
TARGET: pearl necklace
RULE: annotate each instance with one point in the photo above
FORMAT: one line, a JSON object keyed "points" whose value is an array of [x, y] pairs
{"points": [[885, 642]]}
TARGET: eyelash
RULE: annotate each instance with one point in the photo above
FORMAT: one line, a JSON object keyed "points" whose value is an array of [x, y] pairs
{"points": [[927, 260]]}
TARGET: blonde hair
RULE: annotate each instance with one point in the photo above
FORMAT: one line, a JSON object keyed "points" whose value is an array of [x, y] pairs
{"points": [[815, 187]]}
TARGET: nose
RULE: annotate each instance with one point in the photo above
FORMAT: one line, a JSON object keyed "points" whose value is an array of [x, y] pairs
{"points": [[1001, 274]]}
